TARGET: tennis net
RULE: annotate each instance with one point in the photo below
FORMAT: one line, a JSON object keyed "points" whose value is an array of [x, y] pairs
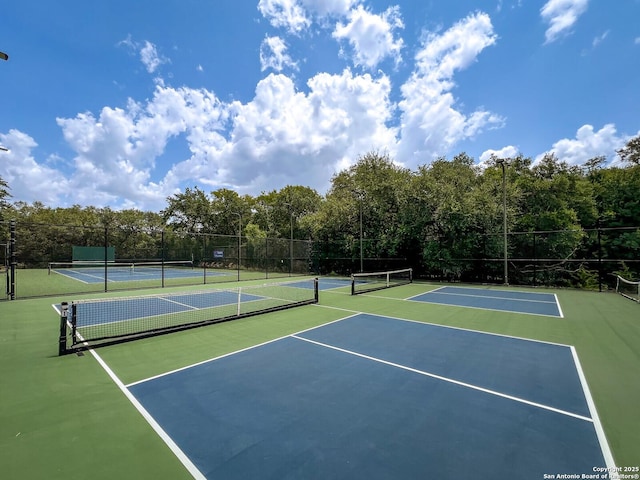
{"points": [[627, 288], [368, 282], [91, 323]]}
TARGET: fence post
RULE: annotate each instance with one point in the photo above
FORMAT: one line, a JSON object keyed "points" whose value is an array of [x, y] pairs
{"points": [[106, 258], [162, 256], [12, 260], [599, 257]]}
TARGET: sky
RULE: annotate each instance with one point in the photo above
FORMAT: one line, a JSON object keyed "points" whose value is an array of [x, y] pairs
{"points": [[122, 104]]}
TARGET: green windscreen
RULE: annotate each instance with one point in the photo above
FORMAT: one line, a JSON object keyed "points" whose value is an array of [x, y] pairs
{"points": [[93, 254]]}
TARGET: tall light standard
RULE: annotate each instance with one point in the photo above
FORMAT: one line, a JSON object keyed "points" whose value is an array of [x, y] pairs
{"points": [[360, 195], [502, 162], [239, 240], [4, 56], [290, 238]]}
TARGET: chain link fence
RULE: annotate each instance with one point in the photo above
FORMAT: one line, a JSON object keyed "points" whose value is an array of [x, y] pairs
{"points": [[38, 259]]}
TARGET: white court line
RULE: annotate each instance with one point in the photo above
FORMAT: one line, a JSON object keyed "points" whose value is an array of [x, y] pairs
{"points": [[177, 451], [602, 438], [558, 305], [449, 380], [180, 303]]}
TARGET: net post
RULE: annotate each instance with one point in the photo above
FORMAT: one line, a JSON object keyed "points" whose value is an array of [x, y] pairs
{"points": [[239, 300], [353, 285], [74, 323], [411, 275], [388, 277], [62, 340], [316, 288]]}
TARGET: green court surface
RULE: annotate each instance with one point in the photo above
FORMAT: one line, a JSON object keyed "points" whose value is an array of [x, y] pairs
{"points": [[67, 418]]}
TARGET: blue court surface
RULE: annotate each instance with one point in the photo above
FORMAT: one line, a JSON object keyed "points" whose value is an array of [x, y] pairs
{"points": [[489, 299], [380, 398]]}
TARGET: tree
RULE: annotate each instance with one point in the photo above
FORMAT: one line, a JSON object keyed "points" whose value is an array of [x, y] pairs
{"points": [[189, 211], [371, 189], [631, 152], [457, 210], [4, 193]]}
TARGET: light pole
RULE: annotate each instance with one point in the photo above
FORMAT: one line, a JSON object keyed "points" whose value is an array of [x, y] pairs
{"points": [[501, 162], [290, 238], [239, 240], [4, 56], [360, 195], [291, 243]]}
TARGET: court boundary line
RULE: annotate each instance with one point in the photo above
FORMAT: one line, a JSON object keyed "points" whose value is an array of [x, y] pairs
{"points": [[164, 436], [558, 304], [449, 380], [600, 433], [73, 278]]}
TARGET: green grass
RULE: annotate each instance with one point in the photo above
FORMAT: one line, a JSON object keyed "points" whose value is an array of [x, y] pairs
{"points": [[63, 417]]}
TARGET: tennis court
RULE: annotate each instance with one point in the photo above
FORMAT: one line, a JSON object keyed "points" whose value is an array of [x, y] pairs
{"points": [[129, 272], [367, 386], [494, 299]]}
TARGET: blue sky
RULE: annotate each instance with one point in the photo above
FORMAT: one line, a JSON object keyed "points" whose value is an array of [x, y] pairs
{"points": [[123, 103]]}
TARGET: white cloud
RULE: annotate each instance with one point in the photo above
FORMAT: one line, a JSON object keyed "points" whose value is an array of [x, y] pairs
{"points": [[431, 125], [287, 14], [283, 136], [588, 144], [273, 54], [148, 53], [372, 36], [150, 57], [599, 39], [29, 180], [505, 152], [329, 8], [561, 15], [116, 152]]}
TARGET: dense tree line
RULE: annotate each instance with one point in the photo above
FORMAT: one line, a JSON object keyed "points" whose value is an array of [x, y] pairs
{"points": [[442, 218]]}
